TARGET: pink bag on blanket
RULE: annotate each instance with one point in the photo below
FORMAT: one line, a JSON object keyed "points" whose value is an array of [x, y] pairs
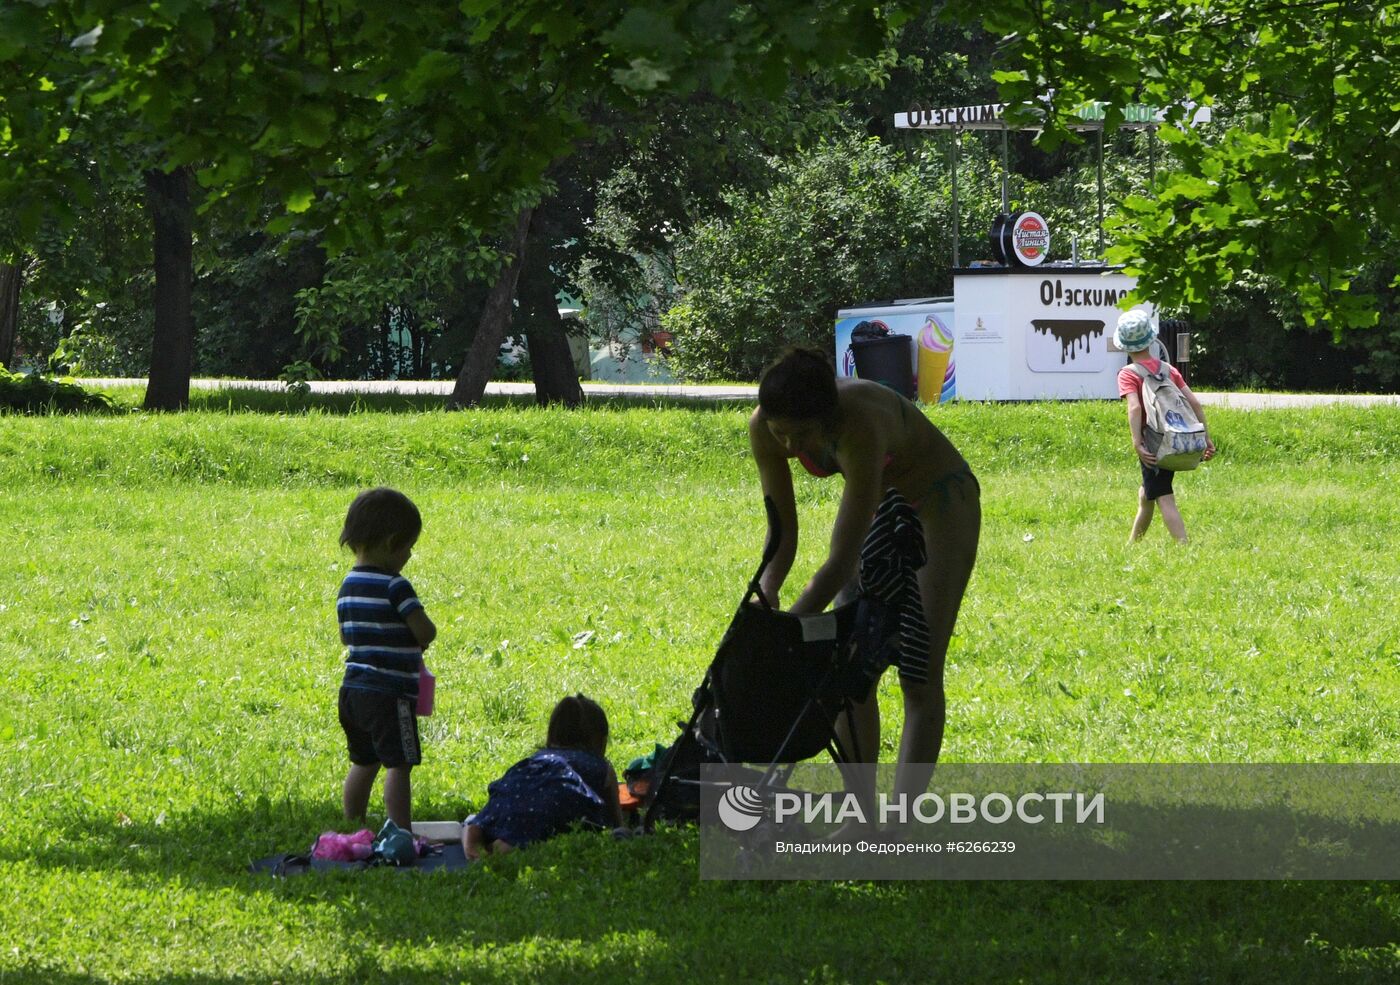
{"points": [[336, 847]]}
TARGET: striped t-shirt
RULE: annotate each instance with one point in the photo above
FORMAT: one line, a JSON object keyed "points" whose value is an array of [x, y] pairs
{"points": [[384, 654]]}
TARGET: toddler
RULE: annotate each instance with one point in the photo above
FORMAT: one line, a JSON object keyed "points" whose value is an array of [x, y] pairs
{"points": [[567, 782], [386, 630]]}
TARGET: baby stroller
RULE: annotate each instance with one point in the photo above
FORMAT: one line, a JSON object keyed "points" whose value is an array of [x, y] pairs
{"points": [[774, 692]]}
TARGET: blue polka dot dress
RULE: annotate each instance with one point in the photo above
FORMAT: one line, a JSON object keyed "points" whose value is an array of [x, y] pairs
{"points": [[545, 795]]}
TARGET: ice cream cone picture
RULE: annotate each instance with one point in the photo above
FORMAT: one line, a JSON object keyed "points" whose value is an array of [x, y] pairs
{"points": [[936, 370]]}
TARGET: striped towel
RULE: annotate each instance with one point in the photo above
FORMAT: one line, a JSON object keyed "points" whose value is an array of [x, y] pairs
{"points": [[890, 559]]}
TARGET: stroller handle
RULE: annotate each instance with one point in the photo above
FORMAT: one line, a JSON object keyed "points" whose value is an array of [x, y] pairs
{"points": [[770, 551]]}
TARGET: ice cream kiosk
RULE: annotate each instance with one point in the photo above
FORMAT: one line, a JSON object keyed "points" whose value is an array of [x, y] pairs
{"points": [[1027, 329], [1021, 325]]}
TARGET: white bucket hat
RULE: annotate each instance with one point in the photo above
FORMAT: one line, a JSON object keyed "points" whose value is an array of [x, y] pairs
{"points": [[1135, 331]]}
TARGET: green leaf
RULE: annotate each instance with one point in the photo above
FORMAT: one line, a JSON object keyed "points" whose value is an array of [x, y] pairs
{"points": [[1243, 198], [644, 30], [432, 69], [310, 125], [300, 200], [641, 75]]}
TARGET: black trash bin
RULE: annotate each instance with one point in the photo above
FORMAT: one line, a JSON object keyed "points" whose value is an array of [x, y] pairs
{"points": [[888, 360]]}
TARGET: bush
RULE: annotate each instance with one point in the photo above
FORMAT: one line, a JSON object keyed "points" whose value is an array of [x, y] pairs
{"points": [[31, 393], [846, 222]]}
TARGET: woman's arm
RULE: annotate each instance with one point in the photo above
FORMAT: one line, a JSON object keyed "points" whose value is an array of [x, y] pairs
{"points": [[862, 464], [775, 477]]}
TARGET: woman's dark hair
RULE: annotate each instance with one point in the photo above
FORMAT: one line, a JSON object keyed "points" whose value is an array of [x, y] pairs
{"points": [[381, 517], [578, 723], [801, 385]]}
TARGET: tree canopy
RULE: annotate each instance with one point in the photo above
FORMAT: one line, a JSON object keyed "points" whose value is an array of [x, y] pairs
{"points": [[1293, 180], [370, 117], [372, 129]]}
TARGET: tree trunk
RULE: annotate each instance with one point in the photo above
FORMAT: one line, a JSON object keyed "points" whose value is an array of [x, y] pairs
{"points": [[11, 278], [551, 363], [172, 347], [495, 319]]}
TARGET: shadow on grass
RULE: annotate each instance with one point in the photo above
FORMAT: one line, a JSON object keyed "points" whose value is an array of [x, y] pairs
{"points": [[588, 908]]}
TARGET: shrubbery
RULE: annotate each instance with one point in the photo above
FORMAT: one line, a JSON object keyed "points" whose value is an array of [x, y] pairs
{"points": [[846, 222], [31, 393]]}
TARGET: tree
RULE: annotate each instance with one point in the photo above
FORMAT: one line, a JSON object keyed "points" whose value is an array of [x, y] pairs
{"points": [[155, 91], [367, 118], [11, 277], [495, 318], [1291, 182], [85, 298], [848, 221]]}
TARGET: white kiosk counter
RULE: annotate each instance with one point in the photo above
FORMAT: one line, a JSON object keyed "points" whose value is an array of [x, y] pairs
{"points": [[1037, 333]]}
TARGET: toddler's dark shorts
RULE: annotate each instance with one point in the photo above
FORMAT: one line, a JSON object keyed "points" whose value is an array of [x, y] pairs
{"points": [[380, 728]]}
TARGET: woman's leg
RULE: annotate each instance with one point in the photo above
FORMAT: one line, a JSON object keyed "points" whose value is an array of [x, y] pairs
{"points": [[859, 732], [859, 735], [951, 527]]}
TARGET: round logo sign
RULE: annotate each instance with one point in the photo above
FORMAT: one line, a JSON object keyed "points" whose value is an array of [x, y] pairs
{"points": [[1030, 239], [741, 808]]}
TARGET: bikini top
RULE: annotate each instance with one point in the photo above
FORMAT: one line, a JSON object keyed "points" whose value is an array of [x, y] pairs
{"points": [[827, 465]]}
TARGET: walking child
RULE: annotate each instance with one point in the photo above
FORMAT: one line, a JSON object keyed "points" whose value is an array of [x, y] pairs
{"points": [[386, 631], [1134, 335]]}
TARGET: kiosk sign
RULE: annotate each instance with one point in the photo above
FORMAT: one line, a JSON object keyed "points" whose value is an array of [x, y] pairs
{"points": [[1030, 239]]}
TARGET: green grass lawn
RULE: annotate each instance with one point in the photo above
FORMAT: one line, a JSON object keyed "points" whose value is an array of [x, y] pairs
{"points": [[166, 617]]}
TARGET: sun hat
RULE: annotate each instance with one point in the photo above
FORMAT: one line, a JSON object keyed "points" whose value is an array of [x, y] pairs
{"points": [[1135, 331]]}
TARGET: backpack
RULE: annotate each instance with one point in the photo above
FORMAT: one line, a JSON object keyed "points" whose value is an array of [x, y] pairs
{"points": [[1170, 428]]}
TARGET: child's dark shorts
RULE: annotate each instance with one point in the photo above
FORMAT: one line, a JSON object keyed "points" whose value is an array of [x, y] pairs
{"points": [[1156, 482], [380, 728]]}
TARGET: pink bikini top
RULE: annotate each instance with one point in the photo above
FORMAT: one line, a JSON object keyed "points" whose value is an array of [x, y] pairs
{"points": [[827, 468]]}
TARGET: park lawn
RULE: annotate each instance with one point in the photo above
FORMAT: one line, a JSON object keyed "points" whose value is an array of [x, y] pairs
{"points": [[166, 609]]}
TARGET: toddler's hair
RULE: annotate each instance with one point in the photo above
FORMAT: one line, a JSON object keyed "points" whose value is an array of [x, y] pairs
{"points": [[800, 385], [578, 723], [381, 517]]}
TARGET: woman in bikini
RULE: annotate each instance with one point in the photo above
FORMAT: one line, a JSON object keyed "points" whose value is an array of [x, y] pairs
{"points": [[877, 440]]}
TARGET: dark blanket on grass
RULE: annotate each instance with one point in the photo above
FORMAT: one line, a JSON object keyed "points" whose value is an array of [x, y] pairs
{"points": [[449, 856]]}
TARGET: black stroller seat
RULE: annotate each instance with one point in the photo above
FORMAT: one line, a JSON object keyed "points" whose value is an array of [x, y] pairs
{"points": [[775, 690], [780, 681]]}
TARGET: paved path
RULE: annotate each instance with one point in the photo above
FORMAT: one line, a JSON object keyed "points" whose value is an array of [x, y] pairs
{"points": [[1274, 401], [1239, 401], [444, 387]]}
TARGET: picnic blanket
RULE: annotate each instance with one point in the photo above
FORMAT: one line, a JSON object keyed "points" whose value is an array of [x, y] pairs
{"points": [[449, 856]]}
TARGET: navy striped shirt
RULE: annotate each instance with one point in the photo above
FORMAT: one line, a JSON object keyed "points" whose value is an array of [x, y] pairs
{"points": [[384, 655]]}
